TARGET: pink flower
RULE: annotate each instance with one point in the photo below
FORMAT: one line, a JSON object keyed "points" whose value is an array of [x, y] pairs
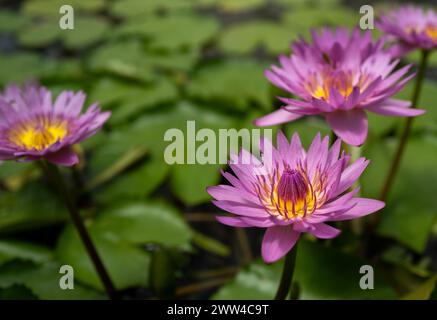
{"points": [[32, 126], [297, 192], [339, 76], [412, 27]]}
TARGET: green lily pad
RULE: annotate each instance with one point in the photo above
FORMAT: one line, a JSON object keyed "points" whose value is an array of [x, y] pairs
{"points": [[20, 67], [11, 21], [135, 8], [43, 281], [236, 84], [87, 30], [409, 215], [134, 184], [232, 6], [305, 19], [245, 38], [18, 210], [172, 32], [40, 34], [301, 4], [144, 222], [11, 249], [122, 58], [129, 58], [127, 265], [321, 273], [51, 8]]}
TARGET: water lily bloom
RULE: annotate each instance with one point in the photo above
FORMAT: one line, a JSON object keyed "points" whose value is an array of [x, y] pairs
{"points": [[33, 127], [295, 192], [340, 76], [412, 27]]}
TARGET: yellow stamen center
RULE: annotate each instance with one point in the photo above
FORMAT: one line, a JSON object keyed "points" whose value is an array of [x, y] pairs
{"points": [[296, 198], [39, 134], [431, 31], [323, 91]]}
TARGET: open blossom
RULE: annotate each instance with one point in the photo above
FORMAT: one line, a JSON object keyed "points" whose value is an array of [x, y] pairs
{"points": [[32, 126], [296, 192], [412, 27], [339, 76]]}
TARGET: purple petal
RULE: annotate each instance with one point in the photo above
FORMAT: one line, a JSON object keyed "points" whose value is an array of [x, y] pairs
{"points": [[397, 108], [64, 157], [245, 222], [324, 231], [362, 207], [350, 126], [350, 175], [225, 192], [232, 221], [277, 242], [241, 208], [276, 117]]}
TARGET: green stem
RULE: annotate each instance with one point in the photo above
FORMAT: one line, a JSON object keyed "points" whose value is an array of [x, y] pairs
{"points": [[407, 129], [356, 224], [56, 178], [287, 275]]}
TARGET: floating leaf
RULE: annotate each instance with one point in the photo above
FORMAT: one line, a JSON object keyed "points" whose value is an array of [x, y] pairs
{"points": [[245, 38], [408, 215], [237, 84], [302, 4], [135, 184], [11, 21], [142, 223], [127, 265], [40, 34], [173, 32], [122, 58], [321, 273], [20, 67], [232, 6], [135, 8], [87, 30], [17, 292], [118, 167], [189, 182], [305, 19], [51, 7], [24, 251], [43, 281], [132, 98], [18, 210]]}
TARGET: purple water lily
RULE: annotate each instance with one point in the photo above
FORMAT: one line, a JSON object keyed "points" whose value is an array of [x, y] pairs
{"points": [[297, 192], [340, 76], [412, 27], [33, 127]]}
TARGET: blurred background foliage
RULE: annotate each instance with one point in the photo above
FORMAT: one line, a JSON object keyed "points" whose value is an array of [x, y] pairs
{"points": [[156, 64]]}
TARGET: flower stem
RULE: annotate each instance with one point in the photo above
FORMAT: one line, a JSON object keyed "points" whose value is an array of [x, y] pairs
{"points": [[56, 178], [407, 129], [287, 275]]}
